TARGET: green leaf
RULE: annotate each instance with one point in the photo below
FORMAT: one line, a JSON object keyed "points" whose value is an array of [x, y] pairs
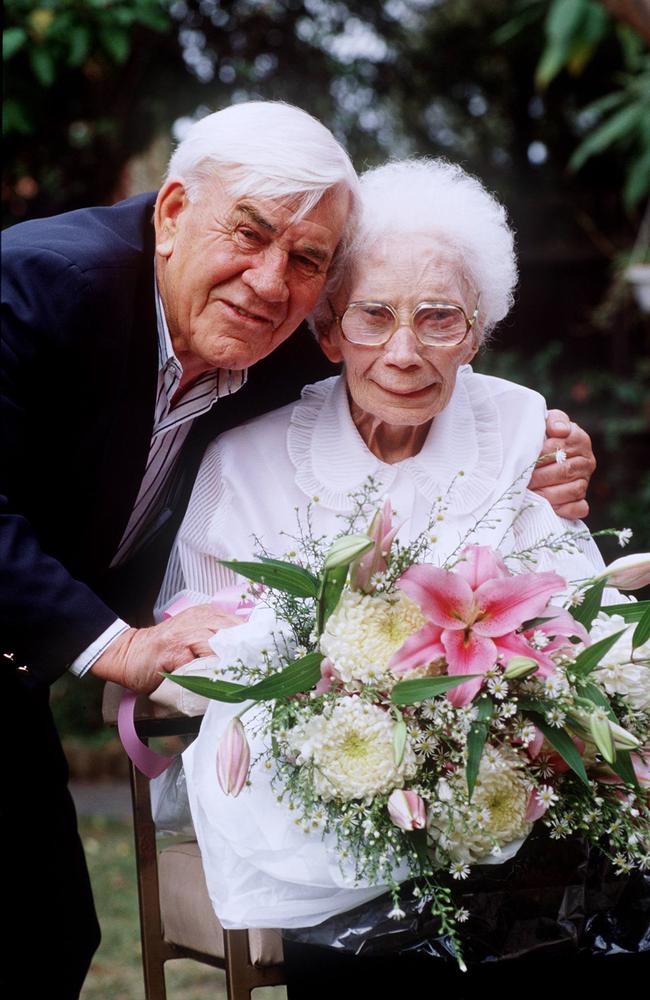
{"points": [[42, 64], [587, 611], [562, 22], [331, 588], [514, 26], [419, 843], [116, 43], [154, 19], [598, 698], [217, 690], [13, 40], [642, 631], [534, 622], [637, 181], [589, 658], [550, 63], [632, 45], [476, 740], [280, 575], [421, 688], [625, 769], [299, 676], [14, 118], [632, 611], [606, 103], [533, 705], [399, 739], [79, 45], [564, 18], [562, 742], [621, 125]]}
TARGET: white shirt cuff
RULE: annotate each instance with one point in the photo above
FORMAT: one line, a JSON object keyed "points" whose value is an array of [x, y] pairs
{"points": [[85, 660]]}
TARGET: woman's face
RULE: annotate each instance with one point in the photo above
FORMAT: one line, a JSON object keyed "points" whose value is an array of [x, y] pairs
{"points": [[403, 383]]}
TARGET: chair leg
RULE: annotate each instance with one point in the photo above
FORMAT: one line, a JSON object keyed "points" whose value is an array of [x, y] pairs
{"points": [[153, 945], [238, 983]]}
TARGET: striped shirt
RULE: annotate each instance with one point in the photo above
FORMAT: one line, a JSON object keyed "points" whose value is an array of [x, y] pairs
{"points": [[171, 426]]}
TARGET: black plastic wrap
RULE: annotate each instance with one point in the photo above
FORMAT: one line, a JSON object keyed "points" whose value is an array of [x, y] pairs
{"points": [[554, 899]]}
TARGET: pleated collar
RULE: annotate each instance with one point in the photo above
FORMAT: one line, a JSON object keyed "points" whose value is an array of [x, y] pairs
{"points": [[463, 447]]}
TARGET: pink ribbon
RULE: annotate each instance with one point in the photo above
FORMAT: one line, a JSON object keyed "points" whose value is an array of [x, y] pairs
{"points": [[147, 761]]}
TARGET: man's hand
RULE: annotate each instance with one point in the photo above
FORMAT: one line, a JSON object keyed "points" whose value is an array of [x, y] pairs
{"points": [[564, 484], [136, 658]]}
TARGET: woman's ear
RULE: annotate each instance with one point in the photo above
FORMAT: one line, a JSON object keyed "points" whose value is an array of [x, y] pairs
{"points": [[171, 201], [471, 351]]}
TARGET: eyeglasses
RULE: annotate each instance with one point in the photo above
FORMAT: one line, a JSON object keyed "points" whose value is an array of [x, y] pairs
{"points": [[435, 324]]}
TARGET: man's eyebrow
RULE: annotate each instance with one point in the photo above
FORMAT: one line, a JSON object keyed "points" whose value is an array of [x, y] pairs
{"points": [[308, 249], [255, 216]]}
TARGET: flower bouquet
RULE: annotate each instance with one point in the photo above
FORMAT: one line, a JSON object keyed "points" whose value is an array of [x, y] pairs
{"points": [[429, 716]]}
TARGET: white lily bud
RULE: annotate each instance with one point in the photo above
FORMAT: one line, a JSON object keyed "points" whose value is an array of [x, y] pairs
{"points": [[345, 549], [629, 572], [519, 666], [233, 758], [601, 732]]}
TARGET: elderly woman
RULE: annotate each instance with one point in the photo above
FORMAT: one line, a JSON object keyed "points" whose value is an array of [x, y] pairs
{"points": [[430, 274]]}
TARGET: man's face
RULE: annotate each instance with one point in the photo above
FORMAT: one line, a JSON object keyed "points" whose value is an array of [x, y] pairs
{"points": [[236, 275]]}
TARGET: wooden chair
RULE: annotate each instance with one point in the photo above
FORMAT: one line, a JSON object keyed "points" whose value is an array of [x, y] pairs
{"points": [[176, 915]]}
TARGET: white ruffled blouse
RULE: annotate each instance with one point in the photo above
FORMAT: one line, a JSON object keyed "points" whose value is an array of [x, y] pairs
{"points": [[256, 480], [261, 869]]}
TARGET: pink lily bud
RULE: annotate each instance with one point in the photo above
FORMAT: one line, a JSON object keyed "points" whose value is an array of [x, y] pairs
{"points": [[233, 758], [535, 808], [407, 810], [366, 566], [629, 572], [328, 675]]}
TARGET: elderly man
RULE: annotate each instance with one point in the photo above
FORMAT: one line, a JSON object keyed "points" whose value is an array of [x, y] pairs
{"points": [[128, 332]]}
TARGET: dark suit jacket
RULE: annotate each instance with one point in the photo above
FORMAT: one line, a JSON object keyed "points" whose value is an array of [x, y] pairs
{"points": [[79, 377]]}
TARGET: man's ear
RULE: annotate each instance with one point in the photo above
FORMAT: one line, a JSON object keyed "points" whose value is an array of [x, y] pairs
{"points": [[171, 200], [329, 338]]}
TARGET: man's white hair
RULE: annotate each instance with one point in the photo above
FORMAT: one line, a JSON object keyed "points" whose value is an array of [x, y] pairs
{"points": [[441, 200], [265, 149]]}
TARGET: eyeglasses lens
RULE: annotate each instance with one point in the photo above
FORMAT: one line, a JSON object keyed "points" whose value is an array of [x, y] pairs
{"points": [[444, 325], [373, 323], [366, 323]]}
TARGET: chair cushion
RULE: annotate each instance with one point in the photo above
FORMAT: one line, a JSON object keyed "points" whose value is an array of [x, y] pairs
{"points": [[187, 914]]}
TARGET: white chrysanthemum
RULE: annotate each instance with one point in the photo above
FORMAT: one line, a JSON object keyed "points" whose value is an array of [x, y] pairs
{"points": [[630, 680], [365, 630], [352, 751], [616, 671], [499, 801]]}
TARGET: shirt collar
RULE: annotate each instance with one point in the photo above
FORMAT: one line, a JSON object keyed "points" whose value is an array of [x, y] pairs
{"points": [[226, 380]]}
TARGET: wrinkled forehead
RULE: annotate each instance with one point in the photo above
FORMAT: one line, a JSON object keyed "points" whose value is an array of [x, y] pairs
{"points": [[407, 268]]}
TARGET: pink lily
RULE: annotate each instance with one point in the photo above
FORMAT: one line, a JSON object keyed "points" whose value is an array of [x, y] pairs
{"points": [[372, 562], [554, 760], [473, 615], [233, 758]]}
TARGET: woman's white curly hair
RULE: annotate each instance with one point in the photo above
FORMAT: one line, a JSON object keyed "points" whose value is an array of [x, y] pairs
{"points": [[437, 198]]}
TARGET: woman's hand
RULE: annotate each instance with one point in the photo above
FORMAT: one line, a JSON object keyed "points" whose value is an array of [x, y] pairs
{"points": [[136, 658], [564, 484]]}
